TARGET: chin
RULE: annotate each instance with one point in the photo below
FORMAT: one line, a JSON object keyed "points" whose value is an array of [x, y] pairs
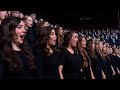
{"points": [[21, 42]]}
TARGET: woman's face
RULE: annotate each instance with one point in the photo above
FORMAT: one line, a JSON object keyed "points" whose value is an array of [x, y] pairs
{"points": [[119, 51], [52, 39], [93, 45], [110, 50], [15, 13], [83, 43], [29, 22], [20, 33], [101, 45], [46, 24], [3, 14], [104, 48], [61, 31], [21, 15], [74, 40]]}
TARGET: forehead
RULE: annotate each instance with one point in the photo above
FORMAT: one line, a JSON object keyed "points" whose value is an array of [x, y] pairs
{"points": [[3, 11], [53, 31], [21, 23], [74, 34], [29, 18], [46, 23], [15, 12]]}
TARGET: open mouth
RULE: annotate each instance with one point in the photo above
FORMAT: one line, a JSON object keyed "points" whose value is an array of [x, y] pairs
{"points": [[22, 36]]}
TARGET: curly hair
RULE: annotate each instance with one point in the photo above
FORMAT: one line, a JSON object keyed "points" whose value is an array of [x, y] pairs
{"points": [[42, 38], [8, 27]]}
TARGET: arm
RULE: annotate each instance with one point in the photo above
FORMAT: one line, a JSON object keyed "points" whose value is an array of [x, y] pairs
{"points": [[103, 75], [60, 71], [113, 70], [92, 75], [118, 70]]}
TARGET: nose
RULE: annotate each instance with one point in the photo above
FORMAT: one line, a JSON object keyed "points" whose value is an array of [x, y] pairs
{"points": [[24, 30], [77, 39], [55, 36]]}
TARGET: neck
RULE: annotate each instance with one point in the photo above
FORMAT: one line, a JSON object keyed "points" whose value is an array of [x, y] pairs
{"points": [[0, 21], [69, 48], [15, 46], [50, 49], [48, 46]]}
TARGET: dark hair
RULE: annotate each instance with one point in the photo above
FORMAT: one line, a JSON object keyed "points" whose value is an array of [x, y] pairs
{"points": [[59, 37], [40, 24], [8, 27], [89, 48], [67, 38], [42, 38], [86, 59]]}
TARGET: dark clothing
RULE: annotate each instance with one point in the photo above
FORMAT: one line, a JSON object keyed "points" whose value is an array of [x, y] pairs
{"points": [[113, 62], [72, 64], [96, 66], [86, 69], [118, 62], [23, 74], [50, 66], [31, 36], [108, 68], [38, 62]]}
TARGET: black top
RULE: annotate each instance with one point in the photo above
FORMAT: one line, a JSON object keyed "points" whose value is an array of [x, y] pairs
{"points": [[31, 36], [118, 62], [108, 68], [96, 66], [72, 64], [50, 66], [113, 62], [38, 62], [23, 73]]}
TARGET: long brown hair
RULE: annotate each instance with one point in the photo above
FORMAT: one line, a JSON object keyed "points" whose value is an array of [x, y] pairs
{"points": [[8, 27], [98, 50], [90, 49], [86, 59], [67, 38], [59, 37], [42, 39]]}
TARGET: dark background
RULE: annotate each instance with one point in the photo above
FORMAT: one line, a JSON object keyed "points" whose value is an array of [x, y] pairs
{"points": [[79, 18]]}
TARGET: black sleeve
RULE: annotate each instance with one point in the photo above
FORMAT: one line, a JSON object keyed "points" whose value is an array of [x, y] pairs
{"points": [[39, 62], [1, 70], [113, 63], [62, 57]]}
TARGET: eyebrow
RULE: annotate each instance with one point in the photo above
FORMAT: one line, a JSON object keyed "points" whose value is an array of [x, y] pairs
{"points": [[20, 25]]}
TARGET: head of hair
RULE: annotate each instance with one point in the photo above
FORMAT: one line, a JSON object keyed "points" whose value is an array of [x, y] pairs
{"points": [[59, 37], [67, 37], [43, 35], [8, 27], [89, 48]]}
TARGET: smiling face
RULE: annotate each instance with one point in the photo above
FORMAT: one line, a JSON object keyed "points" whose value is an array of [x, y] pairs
{"points": [[74, 40], [52, 38], [20, 33]]}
